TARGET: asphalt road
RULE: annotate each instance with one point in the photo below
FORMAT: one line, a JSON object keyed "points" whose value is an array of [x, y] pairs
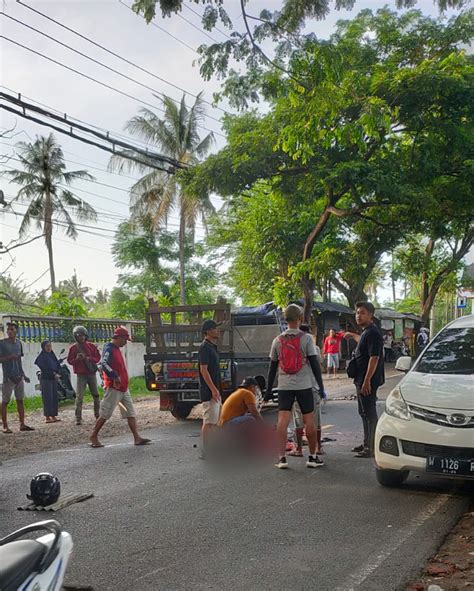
{"points": [[163, 519]]}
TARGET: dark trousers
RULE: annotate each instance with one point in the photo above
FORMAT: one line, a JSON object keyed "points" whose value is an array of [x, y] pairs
{"points": [[368, 414], [49, 393]]}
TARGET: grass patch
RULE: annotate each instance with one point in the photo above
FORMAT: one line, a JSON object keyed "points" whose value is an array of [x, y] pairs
{"points": [[136, 386]]}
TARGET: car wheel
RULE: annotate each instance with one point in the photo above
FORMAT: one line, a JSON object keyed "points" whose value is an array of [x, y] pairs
{"points": [[391, 478], [181, 410]]}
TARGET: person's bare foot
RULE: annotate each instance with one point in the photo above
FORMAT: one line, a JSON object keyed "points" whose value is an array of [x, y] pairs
{"points": [[142, 441], [7, 430], [95, 442], [26, 428]]}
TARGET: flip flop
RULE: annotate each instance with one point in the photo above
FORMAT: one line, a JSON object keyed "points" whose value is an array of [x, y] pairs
{"points": [[143, 442], [96, 445], [7, 431], [295, 454], [26, 428], [358, 448]]}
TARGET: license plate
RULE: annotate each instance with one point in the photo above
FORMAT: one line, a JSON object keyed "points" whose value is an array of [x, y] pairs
{"points": [[450, 466]]}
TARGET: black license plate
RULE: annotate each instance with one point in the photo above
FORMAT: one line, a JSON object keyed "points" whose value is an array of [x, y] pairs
{"points": [[451, 466]]}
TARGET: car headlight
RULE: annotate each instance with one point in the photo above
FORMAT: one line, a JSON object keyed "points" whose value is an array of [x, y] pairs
{"points": [[396, 407]]}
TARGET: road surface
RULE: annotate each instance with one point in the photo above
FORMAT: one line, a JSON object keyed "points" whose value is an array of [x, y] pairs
{"points": [[163, 519]]}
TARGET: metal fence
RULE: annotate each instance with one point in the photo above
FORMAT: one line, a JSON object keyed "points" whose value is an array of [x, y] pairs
{"points": [[58, 329]]}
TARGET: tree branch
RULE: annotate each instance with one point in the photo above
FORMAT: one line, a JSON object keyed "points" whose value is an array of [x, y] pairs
{"points": [[259, 50]]}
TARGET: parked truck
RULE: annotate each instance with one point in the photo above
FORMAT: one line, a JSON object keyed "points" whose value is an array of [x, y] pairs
{"points": [[173, 336]]}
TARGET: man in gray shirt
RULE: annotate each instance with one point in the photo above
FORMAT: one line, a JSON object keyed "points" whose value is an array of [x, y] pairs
{"points": [[293, 356], [11, 352]]}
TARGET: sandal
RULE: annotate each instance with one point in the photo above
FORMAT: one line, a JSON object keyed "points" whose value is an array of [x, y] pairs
{"points": [[26, 428], [358, 448], [143, 442], [295, 453], [96, 445], [7, 430]]}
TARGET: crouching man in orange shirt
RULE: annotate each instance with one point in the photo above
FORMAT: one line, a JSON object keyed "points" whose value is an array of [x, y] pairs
{"points": [[240, 408]]}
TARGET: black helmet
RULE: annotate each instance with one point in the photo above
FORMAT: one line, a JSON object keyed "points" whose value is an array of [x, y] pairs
{"points": [[80, 330], [45, 489]]}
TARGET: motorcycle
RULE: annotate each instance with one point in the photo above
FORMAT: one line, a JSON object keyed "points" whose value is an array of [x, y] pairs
{"points": [[35, 565], [65, 388]]}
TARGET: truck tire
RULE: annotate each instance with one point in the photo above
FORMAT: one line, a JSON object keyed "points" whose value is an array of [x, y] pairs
{"points": [[391, 478], [181, 410]]}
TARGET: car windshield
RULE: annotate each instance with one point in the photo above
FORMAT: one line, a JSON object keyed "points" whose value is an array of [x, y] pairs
{"points": [[451, 352]]}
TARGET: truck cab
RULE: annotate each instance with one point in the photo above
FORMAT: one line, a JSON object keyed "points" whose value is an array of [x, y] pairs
{"points": [[173, 337]]}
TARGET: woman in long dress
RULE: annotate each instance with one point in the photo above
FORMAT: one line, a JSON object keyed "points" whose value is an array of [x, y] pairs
{"points": [[49, 366]]}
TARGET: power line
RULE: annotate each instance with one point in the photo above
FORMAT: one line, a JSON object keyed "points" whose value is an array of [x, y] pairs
{"points": [[86, 76], [200, 16], [150, 155], [161, 29], [95, 61], [197, 28], [129, 62], [65, 241], [117, 134]]}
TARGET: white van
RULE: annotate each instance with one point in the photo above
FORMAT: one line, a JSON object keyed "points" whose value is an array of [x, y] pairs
{"points": [[428, 423]]}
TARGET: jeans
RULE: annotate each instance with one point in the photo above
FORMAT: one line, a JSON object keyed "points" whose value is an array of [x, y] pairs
{"points": [[368, 413], [82, 382]]}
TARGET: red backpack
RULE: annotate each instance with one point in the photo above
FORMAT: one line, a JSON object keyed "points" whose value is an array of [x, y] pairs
{"points": [[291, 356]]}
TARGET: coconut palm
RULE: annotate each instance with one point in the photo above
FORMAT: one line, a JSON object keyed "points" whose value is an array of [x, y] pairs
{"points": [[157, 194], [74, 288], [44, 184]]}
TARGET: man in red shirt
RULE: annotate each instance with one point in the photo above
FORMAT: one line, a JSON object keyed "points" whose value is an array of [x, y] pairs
{"points": [[115, 378], [331, 347], [84, 356]]}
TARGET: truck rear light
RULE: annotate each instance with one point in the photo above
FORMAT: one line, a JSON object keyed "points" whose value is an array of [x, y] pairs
{"points": [[154, 386]]}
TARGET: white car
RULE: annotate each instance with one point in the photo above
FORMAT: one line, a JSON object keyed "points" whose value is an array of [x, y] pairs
{"points": [[428, 423]]}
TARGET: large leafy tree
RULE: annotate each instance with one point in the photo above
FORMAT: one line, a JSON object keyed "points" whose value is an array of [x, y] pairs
{"points": [[74, 288], [44, 186], [150, 261], [362, 127], [157, 194]]}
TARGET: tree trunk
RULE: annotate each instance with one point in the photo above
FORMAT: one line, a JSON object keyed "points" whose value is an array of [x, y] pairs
{"points": [[308, 292], [182, 245], [48, 232]]}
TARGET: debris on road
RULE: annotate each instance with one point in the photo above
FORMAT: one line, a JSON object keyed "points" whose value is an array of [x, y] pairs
{"points": [[452, 568]]}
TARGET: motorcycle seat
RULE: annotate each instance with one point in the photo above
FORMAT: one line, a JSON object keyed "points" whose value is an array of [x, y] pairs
{"points": [[18, 560]]}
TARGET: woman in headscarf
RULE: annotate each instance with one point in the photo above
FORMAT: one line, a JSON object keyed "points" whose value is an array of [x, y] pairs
{"points": [[49, 366]]}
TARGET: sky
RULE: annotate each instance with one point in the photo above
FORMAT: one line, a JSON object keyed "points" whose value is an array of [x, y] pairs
{"points": [[112, 24]]}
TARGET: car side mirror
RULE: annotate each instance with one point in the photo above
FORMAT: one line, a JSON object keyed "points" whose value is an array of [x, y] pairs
{"points": [[403, 364]]}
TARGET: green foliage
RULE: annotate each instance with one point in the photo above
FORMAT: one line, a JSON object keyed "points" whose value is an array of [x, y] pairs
{"points": [[61, 304], [351, 154]]}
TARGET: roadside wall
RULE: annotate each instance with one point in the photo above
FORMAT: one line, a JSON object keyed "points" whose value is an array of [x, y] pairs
{"points": [[133, 354]]}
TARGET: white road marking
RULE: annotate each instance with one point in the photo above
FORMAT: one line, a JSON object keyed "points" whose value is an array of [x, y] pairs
{"points": [[157, 570], [294, 502], [355, 580]]}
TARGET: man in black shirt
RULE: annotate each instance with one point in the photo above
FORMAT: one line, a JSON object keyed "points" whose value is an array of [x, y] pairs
{"points": [[369, 374], [209, 380]]}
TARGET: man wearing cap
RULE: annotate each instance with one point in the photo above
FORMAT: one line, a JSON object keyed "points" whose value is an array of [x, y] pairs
{"points": [[209, 380], [241, 406], [115, 378]]}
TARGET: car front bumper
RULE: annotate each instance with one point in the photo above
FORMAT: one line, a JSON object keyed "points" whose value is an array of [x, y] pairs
{"points": [[416, 439]]}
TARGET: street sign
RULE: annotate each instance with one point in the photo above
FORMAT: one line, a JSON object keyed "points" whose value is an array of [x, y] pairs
{"points": [[462, 302]]}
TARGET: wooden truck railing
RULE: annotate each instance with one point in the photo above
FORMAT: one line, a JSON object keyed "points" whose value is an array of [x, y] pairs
{"points": [[177, 329]]}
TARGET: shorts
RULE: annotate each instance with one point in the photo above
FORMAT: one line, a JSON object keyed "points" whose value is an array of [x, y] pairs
{"points": [[111, 399], [212, 411], [9, 387], [305, 399], [298, 416], [333, 360]]}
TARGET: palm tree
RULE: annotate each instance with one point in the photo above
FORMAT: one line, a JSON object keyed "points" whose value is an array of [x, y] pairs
{"points": [[44, 187], [157, 194], [74, 288]]}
